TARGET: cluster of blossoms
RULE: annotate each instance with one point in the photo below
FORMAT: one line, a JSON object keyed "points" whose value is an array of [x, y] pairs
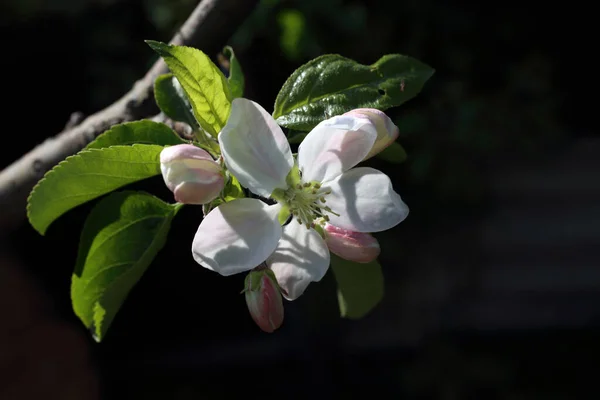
{"points": [[306, 205]]}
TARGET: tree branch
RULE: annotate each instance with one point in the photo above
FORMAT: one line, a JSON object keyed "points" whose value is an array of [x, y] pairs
{"points": [[208, 28]]}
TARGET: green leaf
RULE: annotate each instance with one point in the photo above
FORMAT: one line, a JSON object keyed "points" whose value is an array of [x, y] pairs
{"points": [[172, 100], [87, 175], [146, 132], [297, 138], [394, 153], [203, 82], [331, 84], [120, 238], [360, 286], [236, 75], [233, 189]]}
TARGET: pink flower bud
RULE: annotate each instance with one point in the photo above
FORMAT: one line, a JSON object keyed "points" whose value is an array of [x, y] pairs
{"points": [[264, 299], [191, 174], [387, 132], [352, 246]]}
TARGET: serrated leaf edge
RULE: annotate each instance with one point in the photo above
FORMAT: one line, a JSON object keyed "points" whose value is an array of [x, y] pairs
{"points": [[159, 48], [109, 131], [96, 319], [56, 168], [282, 117]]}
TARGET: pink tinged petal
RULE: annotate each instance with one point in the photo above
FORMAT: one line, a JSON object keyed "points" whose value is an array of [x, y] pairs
{"points": [[334, 146], [255, 149], [263, 299], [300, 258], [387, 131], [191, 174], [365, 201], [198, 193], [237, 236], [352, 246], [183, 151]]}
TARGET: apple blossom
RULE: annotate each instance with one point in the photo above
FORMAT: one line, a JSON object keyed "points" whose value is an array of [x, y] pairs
{"points": [[320, 186]]}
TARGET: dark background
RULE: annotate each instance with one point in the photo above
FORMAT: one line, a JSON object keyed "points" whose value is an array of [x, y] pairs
{"points": [[492, 283]]}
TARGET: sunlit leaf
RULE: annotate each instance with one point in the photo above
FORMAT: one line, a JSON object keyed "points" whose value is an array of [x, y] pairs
{"points": [[89, 174], [203, 82], [120, 238], [236, 75], [144, 132]]}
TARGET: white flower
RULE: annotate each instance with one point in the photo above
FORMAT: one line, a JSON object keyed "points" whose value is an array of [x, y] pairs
{"points": [[321, 187]]}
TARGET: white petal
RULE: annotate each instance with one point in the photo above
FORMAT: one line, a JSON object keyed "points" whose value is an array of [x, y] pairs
{"points": [[300, 258], [237, 236], [255, 149], [334, 146], [366, 201]]}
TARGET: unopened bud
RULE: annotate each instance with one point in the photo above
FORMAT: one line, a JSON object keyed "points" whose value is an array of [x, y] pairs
{"points": [[264, 299], [352, 246], [191, 174], [387, 131]]}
